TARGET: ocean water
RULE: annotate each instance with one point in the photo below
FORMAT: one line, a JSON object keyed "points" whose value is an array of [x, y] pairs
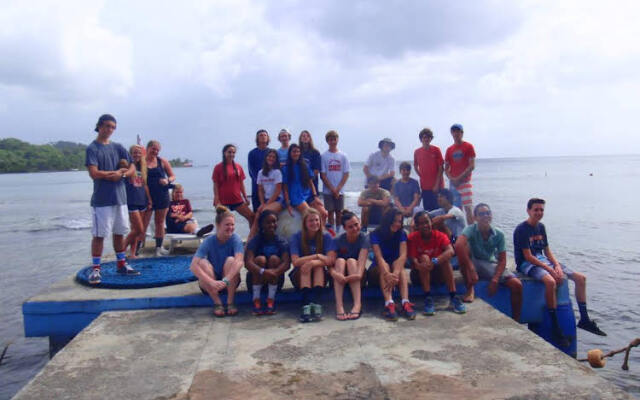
{"points": [[592, 220]]}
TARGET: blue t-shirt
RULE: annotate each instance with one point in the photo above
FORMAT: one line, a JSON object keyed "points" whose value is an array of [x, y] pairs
{"points": [[312, 157], [390, 247], [255, 160], [351, 250], [217, 252], [529, 237], [295, 245], [282, 155], [297, 192], [406, 190], [276, 246], [106, 157]]}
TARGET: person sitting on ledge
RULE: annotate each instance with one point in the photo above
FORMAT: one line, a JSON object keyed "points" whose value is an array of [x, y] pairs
{"points": [[180, 215], [482, 254], [430, 251], [535, 259], [218, 261], [374, 202], [448, 218]]}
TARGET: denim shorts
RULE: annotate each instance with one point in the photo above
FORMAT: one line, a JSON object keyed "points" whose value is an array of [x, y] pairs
{"points": [[538, 273]]}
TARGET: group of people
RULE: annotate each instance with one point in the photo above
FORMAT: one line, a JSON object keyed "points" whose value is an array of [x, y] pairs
{"points": [[446, 225]]}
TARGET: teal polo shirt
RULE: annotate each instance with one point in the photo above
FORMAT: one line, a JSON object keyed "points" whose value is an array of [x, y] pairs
{"points": [[481, 249]]}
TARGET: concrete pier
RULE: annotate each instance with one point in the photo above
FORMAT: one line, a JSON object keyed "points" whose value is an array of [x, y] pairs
{"points": [[188, 354]]}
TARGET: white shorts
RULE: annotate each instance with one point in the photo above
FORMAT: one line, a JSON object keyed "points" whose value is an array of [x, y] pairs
{"points": [[110, 219]]}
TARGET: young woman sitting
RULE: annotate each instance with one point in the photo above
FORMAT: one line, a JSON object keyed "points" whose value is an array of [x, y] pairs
{"points": [[180, 215], [352, 249], [299, 191], [218, 261], [266, 260], [389, 243], [312, 252]]}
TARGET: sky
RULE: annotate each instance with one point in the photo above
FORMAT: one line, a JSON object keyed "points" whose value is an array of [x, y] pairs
{"points": [[525, 78]]}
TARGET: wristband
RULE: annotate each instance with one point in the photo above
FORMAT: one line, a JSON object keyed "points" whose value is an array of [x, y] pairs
{"points": [[261, 271], [434, 261], [226, 281]]}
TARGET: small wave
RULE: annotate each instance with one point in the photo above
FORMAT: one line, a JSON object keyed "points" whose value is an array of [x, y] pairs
{"points": [[62, 223]]}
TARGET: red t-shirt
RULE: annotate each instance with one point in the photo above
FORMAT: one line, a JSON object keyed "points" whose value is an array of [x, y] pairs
{"points": [[180, 207], [428, 160], [229, 186], [458, 156], [433, 247]]}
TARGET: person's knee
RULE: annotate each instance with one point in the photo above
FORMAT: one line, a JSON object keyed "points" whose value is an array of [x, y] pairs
{"points": [[515, 285], [274, 261], [579, 278], [549, 282], [261, 261]]}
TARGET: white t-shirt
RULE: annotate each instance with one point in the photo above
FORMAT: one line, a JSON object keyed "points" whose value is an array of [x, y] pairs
{"points": [[379, 165], [269, 182], [335, 165], [456, 224]]}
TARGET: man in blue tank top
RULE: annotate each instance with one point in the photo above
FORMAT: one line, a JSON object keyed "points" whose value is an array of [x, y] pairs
{"points": [[535, 259], [109, 199]]}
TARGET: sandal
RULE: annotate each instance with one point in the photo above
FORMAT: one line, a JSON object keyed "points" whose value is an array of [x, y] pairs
{"points": [[355, 315], [232, 310], [218, 310], [342, 317]]}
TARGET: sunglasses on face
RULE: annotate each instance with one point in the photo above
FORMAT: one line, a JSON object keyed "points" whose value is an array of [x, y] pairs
{"points": [[484, 213]]}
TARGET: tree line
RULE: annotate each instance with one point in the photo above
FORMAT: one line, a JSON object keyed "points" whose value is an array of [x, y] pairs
{"points": [[19, 156]]}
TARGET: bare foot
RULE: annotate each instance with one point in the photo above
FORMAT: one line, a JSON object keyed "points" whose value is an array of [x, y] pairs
{"points": [[469, 296]]}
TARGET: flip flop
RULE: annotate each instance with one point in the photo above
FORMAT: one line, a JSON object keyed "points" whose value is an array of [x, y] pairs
{"points": [[353, 316], [218, 310], [232, 310], [342, 317]]}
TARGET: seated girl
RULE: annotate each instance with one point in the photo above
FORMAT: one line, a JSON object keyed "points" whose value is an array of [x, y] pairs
{"points": [[430, 251], [180, 215], [299, 191], [352, 249], [269, 181], [312, 252], [389, 243], [218, 261], [266, 260]]}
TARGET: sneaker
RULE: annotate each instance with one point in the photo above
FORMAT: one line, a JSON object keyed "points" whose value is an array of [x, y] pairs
{"points": [[429, 307], [389, 312], [409, 312], [305, 316], [128, 270], [160, 252], [204, 230], [457, 305], [257, 307], [590, 326], [95, 277], [316, 312], [271, 307], [560, 339]]}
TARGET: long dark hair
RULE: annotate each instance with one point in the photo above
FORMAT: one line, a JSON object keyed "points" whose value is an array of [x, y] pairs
{"points": [[310, 146], [302, 164], [384, 229], [224, 162], [266, 168]]}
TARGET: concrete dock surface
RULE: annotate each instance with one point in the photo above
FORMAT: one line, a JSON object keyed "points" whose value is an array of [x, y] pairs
{"points": [[187, 353]]}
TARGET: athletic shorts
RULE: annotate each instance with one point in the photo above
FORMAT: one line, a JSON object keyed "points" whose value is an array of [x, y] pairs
{"points": [[333, 204], [373, 275], [233, 206], [538, 273], [429, 200], [295, 280], [462, 194], [109, 220], [487, 269], [136, 208]]}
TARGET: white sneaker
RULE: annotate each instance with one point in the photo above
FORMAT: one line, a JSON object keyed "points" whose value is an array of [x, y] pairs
{"points": [[128, 270], [160, 252], [94, 277]]}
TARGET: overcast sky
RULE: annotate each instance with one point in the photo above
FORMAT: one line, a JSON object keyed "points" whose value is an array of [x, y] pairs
{"points": [[525, 78]]}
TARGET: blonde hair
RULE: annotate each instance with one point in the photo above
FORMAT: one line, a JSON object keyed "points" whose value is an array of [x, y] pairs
{"points": [[142, 164], [176, 187], [222, 212], [317, 237]]}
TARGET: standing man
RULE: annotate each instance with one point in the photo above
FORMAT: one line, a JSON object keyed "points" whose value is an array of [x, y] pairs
{"points": [[334, 172], [256, 158], [460, 160], [482, 254], [109, 199], [284, 137], [535, 259], [381, 165], [428, 162]]}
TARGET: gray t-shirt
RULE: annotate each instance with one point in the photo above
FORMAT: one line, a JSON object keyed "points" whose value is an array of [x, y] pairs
{"points": [[351, 250], [456, 224], [380, 165], [106, 157], [334, 165]]}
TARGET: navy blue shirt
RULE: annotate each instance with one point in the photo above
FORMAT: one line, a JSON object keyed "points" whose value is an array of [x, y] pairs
{"points": [[390, 247], [529, 237], [136, 195], [314, 162], [255, 160], [106, 157], [274, 247]]}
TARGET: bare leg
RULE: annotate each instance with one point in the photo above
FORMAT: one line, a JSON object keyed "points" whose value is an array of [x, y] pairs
{"points": [[550, 291], [468, 209], [234, 280], [467, 270], [212, 293], [159, 218], [515, 286], [338, 287], [356, 289], [318, 274], [246, 212], [364, 214], [97, 245], [190, 228], [137, 224], [447, 272], [581, 286]]}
